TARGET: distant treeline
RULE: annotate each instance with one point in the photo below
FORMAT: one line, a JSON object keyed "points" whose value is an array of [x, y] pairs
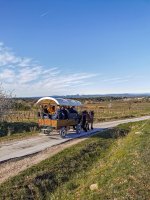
{"points": [[27, 103]]}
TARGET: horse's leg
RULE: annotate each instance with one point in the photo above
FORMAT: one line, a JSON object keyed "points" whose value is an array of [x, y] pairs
{"points": [[88, 127], [92, 124]]}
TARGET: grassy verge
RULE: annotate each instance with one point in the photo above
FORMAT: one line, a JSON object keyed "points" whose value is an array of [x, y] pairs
{"points": [[118, 165], [124, 172], [17, 130]]}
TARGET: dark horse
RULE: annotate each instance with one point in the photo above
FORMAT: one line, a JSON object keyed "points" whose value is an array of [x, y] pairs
{"points": [[87, 119]]}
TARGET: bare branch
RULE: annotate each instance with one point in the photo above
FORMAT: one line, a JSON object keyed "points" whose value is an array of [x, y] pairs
{"points": [[6, 102]]}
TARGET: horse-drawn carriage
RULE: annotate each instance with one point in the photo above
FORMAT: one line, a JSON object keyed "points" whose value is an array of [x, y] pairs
{"points": [[50, 118]]}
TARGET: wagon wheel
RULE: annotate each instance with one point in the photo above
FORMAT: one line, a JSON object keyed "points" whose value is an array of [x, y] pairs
{"points": [[78, 129], [63, 132], [49, 130], [46, 130]]}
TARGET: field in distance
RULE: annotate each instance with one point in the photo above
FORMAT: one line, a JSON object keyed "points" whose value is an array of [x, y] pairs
{"points": [[105, 108]]}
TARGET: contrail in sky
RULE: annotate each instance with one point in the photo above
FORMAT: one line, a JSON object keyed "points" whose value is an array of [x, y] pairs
{"points": [[44, 14]]}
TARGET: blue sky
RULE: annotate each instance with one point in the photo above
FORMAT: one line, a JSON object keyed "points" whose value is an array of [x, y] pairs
{"points": [[50, 47]]}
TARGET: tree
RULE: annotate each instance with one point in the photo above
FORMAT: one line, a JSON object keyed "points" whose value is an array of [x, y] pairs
{"points": [[6, 102]]}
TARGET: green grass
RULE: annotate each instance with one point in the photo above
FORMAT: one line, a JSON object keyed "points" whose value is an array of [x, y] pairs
{"points": [[124, 172], [117, 164]]}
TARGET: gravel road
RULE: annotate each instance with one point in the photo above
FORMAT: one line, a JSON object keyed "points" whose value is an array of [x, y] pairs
{"points": [[17, 149]]}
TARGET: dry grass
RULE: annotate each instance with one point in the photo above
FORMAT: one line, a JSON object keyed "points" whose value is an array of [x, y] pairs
{"points": [[104, 111], [118, 109]]}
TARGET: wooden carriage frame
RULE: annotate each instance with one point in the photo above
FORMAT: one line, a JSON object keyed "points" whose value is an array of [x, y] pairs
{"points": [[62, 126]]}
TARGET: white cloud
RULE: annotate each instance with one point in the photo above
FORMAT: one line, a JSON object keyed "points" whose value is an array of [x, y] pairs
{"points": [[44, 14], [28, 78], [8, 75]]}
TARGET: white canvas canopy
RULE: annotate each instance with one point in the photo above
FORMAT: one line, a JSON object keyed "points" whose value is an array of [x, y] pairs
{"points": [[59, 101]]}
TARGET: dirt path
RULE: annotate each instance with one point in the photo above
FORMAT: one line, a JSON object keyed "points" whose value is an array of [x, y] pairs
{"points": [[41, 147]]}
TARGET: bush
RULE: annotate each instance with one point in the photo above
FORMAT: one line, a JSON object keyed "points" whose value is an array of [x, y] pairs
{"points": [[7, 128]]}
